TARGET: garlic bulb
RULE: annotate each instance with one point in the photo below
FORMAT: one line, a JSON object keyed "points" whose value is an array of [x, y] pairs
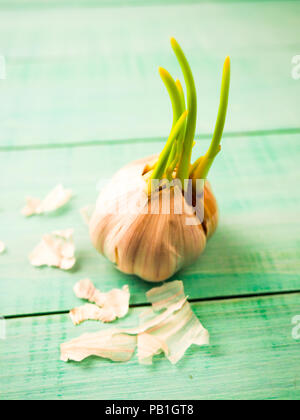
{"points": [[154, 217], [151, 246]]}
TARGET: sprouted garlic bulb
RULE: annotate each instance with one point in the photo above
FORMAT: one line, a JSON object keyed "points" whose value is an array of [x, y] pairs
{"points": [[156, 214]]}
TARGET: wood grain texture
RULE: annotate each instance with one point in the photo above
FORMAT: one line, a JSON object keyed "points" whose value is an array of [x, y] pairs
{"points": [[90, 73], [252, 355], [255, 250], [84, 73], [10, 4]]}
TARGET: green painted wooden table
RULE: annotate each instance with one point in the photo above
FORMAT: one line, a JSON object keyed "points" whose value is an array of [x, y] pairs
{"points": [[81, 98]]}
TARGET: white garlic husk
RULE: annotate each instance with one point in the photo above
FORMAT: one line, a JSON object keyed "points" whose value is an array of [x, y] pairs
{"points": [[136, 234]]}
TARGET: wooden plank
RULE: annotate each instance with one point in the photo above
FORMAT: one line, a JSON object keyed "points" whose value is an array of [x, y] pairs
{"points": [[90, 73], [252, 356], [8, 4], [255, 250]]}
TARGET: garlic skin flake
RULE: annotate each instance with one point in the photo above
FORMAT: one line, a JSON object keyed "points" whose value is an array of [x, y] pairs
{"points": [[56, 199], [2, 247], [169, 327], [92, 312], [177, 332], [151, 246], [55, 250], [110, 344], [149, 346], [163, 296], [113, 304]]}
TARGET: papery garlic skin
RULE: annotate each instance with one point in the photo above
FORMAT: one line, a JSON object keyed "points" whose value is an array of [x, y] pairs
{"points": [[151, 246], [2, 247]]}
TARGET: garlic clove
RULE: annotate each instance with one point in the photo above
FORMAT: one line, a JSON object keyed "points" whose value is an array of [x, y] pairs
{"points": [[211, 213]]}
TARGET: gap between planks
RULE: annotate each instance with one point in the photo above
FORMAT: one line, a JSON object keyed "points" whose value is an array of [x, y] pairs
{"points": [[91, 143], [195, 300]]}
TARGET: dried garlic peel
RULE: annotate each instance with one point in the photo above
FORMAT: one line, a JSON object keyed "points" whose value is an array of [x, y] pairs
{"points": [[2, 247], [178, 333], [149, 346], [179, 330], [56, 199], [171, 331], [165, 295], [55, 250], [91, 312], [110, 344], [114, 304]]}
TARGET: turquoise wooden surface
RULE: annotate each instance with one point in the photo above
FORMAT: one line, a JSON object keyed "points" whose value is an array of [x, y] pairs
{"points": [[90, 73], [252, 355], [82, 97], [255, 250]]}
